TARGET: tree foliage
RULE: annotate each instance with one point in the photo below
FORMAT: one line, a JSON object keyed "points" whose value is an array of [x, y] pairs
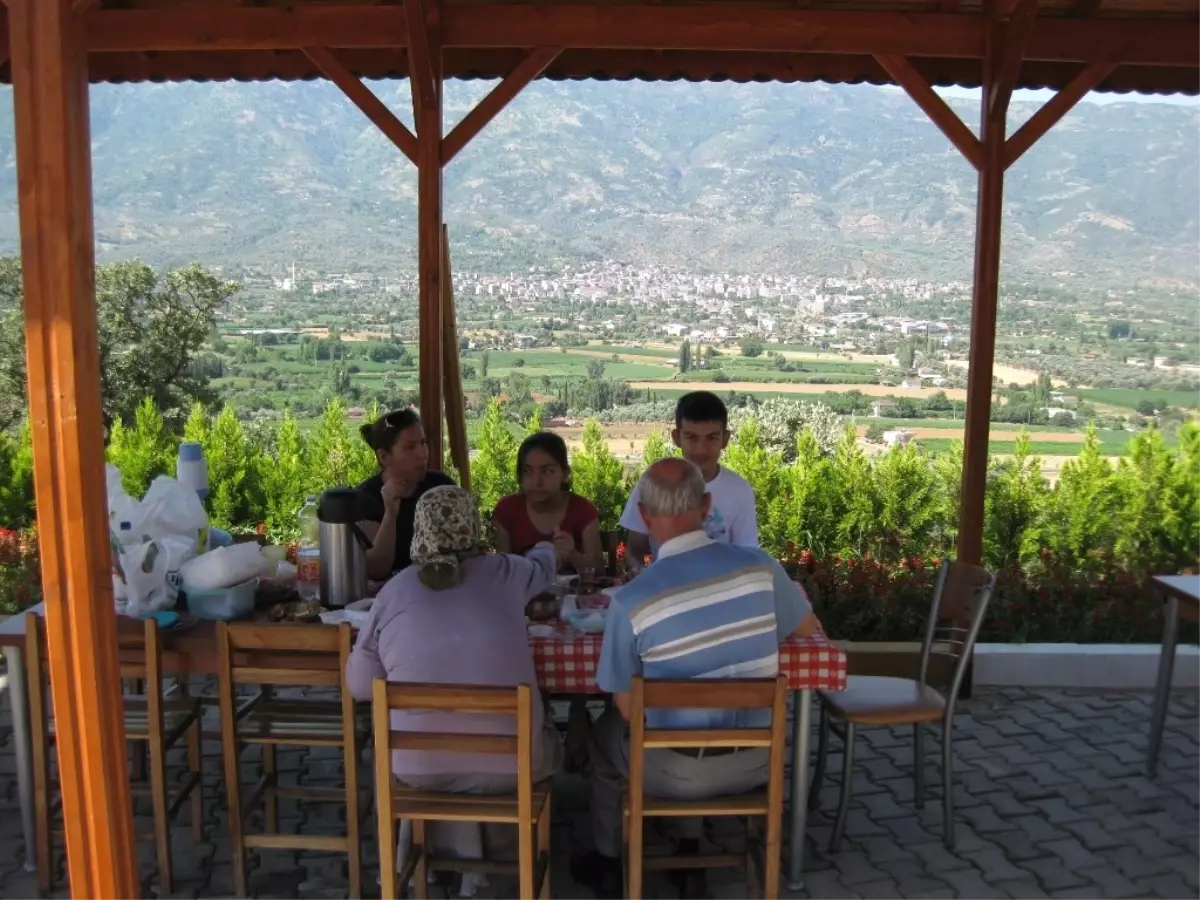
{"points": [[599, 476], [685, 356], [150, 330], [143, 451], [16, 479]]}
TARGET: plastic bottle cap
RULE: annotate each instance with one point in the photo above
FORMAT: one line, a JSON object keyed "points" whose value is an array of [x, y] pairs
{"points": [[191, 452], [126, 526]]}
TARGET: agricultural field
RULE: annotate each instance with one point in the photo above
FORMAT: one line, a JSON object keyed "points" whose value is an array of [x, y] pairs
{"points": [[276, 376], [1128, 398]]}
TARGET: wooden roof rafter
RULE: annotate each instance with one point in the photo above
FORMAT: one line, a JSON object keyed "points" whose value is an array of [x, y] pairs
{"points": [[363, 97]]}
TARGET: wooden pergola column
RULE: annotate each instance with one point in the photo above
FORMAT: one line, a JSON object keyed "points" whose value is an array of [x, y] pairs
{"points": [[1008, 30], [54, 183], [440, 376]]}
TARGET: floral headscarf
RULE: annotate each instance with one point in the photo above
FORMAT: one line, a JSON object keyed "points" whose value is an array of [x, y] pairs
{"points": [[446, 530]]}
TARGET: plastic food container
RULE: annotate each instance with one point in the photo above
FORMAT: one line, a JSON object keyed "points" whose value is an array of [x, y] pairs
{"points": [[587, 620], [222, 603]]}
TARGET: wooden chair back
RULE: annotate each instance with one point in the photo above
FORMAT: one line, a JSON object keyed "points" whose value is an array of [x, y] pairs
{"points": [[960, 602], [139, 658], [285, 655], [468, 699], [734, 694]]}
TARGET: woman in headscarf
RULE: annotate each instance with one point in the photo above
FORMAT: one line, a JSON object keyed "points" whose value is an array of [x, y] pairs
{"points": [[457, 616]]}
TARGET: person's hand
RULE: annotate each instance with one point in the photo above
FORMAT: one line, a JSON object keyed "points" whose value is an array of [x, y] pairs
{"points": [[393, 492], [564, 545]]}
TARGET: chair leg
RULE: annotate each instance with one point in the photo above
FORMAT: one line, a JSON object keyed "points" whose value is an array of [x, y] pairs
{"points": [[633, 858], [625, 847], [42, 806], [353, 820], [233, 799], [526, 865], [818, 776], [196, 767], [386, 829], [162, 818], [420, 846], [948, 782], [839, 823], [772, 864], [919, 765], [544, 829], [270, 796]]}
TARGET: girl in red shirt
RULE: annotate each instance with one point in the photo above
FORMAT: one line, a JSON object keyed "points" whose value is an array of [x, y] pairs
{"points": [[546, 509]]}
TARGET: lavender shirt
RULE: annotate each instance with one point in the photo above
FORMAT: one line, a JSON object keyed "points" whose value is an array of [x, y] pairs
{"points": [[473, 633]]}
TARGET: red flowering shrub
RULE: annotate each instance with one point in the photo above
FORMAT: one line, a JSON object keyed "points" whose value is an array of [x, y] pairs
{"points": [[20, 574]]}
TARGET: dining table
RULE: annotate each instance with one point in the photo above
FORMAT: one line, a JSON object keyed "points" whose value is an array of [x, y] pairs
{"points": [[565, 660]]}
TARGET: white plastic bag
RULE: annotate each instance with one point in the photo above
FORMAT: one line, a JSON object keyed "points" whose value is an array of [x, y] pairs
{"points": [[222, 568], [122, 507], [146, 589], [172, 508], [167, 528]]}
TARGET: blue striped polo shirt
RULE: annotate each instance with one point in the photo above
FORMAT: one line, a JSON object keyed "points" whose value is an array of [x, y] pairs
{"points": [[702, 609]]}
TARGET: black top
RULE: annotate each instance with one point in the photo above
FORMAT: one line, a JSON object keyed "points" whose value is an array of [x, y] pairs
{"points": [[372, 511]]}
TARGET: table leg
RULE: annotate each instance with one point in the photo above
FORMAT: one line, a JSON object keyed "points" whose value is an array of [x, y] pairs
{"points": [[801, 722], [19, 702], [1162, 686]]}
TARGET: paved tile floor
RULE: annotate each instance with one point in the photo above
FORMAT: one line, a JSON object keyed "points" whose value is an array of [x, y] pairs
{"points": [[1051, 796]]}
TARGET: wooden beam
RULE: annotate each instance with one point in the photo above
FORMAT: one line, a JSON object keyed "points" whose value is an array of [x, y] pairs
{"points": [[499, 97], [903, 73], [362, 97], [989, 213], [54, 188], [428, 98], [718, 26], [456, 418], [1014, 37], [420, 55], [1086, 8], [1053, 110]]}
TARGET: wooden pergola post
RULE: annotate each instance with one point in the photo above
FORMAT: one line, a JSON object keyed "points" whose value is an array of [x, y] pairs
{"points": [[54, 183], [1008, 30], [456, 424], [425, 75]]}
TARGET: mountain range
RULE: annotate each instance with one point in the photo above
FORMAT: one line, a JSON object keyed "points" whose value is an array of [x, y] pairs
{"points": [[718, 177]]}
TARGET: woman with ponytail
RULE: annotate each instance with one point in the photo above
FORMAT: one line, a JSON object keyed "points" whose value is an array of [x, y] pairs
{"points": [[389, 499]]}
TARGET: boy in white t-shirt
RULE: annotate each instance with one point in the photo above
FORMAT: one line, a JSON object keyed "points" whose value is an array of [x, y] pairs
{"points": [[702, 433]]}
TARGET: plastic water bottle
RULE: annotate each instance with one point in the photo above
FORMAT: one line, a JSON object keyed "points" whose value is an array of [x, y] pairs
{"points": [[191, 469], [308, 554]]}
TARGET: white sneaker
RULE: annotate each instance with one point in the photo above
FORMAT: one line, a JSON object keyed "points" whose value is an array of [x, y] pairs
{"points": [[471, 883]]}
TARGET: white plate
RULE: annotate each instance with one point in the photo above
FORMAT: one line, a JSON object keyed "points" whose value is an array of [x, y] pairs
{"points": [[541, 631]]}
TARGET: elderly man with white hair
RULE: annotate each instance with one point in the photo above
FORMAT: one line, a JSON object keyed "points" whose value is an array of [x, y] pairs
{"points": [[702, 610]]}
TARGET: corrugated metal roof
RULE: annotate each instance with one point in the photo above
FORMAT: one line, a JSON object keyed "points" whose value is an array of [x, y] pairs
{"points": [[126, 55]]}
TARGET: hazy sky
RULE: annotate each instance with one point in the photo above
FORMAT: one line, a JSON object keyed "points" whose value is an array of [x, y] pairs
{"points": [[1043, 96]]}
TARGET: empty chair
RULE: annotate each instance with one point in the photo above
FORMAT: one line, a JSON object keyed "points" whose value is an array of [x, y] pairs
{"points": [[766, 803], [272, 656], [960, 602], [159, 721]]}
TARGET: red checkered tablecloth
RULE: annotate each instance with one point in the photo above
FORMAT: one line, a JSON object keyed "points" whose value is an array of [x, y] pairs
{"points": [[566, 662]]}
